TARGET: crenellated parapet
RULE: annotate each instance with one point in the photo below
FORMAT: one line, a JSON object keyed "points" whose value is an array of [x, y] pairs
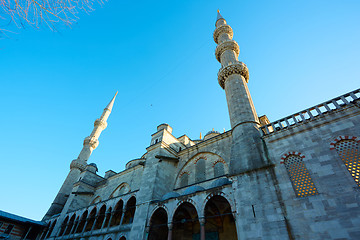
{"points": [[235, 68]]}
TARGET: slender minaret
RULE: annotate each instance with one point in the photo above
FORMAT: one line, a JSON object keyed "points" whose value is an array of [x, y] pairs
{"points": [[78, 165], [247, 152]]}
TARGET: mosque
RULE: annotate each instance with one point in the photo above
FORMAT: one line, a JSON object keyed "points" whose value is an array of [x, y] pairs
{"points": [[294, 178]]}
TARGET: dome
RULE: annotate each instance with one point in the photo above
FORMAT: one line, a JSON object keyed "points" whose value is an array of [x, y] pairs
{"points": [[211, 134], [212, 131], [93, 164], [220, 182], [170, 195], [92, 167], [193, 189]]}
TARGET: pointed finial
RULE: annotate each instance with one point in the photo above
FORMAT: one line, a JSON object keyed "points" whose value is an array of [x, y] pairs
{"points": [[224, 129], [200, 136], [111, 103], [219, 15], [213, 129]]}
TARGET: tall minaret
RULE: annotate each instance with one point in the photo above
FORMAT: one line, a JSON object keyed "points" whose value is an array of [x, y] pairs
{"points": [[78, 165], [247, 152]]}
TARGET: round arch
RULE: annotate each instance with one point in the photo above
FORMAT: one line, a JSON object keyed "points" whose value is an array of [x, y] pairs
{"points": [[185, 221], [219, 219], [158, 225]]}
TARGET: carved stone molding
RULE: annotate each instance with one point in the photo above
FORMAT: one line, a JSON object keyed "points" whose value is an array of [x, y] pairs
{"points": [[76, 164], [93, 142], [223, 29], [235, 68], [99, 122], [228, 45]]}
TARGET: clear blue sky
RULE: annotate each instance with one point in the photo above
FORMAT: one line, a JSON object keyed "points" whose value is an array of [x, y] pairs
{"points": [[159, 55]]}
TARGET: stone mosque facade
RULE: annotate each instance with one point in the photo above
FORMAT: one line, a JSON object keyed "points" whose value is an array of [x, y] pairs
{"points": [[294, 178]]}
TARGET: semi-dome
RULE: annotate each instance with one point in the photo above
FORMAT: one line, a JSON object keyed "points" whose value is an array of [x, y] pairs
{"points": [[193, 189], [92, 167], [170, 195], [220, 182]]}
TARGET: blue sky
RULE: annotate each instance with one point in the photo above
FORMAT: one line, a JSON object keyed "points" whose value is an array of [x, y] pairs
{"points": [[159, 55]]}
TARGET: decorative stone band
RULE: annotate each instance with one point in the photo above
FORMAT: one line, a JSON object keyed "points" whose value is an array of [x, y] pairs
{"points": [[289, 154], [93, 142], [99, 122], [228, 45], [235, 68], [76, 164], [222, 29], [339, 138]]}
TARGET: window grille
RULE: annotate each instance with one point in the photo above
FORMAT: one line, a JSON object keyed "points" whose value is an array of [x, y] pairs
{"points": [[200, 170], [348, 151], [184, 180], [219, 169], [299, 176]]}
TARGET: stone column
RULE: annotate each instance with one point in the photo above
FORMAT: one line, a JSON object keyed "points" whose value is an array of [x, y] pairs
{"points": [[202, 228], [122, 215], [106, 216], [27, 233], [73, 227], [85, 225], [93, 226], [170, 226], [111, 217]]}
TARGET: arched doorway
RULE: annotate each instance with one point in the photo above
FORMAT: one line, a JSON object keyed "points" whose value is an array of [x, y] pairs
{"points": [[219, 221], [158, 225], [101, 217], [130, 211], [186, 224], [117, 214]]}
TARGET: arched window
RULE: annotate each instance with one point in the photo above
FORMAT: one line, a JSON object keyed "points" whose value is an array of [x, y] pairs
{"points": [[184, 180], [200, 170], [130, 211], [158, 225], [348, 150], [299, 176], [219, 169]]}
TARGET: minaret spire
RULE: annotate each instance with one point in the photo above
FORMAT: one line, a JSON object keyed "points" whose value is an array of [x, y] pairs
{"points": [[247, 151], [78, 165], [91, 142]]}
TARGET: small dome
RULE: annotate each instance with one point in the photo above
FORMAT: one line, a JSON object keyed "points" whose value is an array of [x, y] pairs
{"points": [[211, 134], [220, 182], [93, 164], [170, 195], [92, 167], [212, 131], [193, 189]]}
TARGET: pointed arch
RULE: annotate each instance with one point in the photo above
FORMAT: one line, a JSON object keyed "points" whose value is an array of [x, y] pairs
{"points": [[123, 188], [82, 222], [70, 225], [130, 211], [100, 217], [117, 213]]}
